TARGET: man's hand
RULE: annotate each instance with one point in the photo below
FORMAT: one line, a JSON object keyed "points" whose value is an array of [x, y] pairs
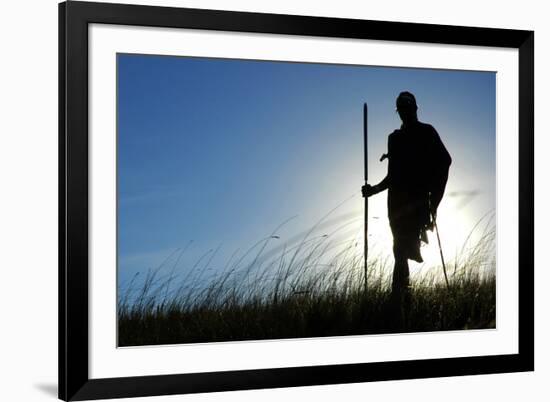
{"points": [[367, 190]]}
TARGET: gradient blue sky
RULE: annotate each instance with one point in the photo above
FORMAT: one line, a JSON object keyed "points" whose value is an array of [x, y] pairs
{"points": [[219, 152]]}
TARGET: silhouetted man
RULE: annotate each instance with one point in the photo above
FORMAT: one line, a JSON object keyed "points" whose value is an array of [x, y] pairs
{"points": [[418, 169]]}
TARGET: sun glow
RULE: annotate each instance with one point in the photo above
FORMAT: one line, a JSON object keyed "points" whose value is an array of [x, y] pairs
{"points": [[459, 232]]}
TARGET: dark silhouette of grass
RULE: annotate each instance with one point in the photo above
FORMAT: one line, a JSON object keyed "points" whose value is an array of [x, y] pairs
{"points": [[313, 289]]}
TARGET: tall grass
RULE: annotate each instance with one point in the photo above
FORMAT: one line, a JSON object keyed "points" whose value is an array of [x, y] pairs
{"points": [[313, 288]]}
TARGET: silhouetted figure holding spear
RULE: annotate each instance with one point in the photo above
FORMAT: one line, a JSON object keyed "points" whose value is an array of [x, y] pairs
{"points": [[418, 169]]}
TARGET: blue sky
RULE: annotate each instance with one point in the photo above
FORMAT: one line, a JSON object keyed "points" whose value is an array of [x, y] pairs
{"points": [[219, 152]]}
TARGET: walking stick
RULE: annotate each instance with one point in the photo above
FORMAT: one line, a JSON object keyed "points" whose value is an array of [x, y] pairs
{"points": [[365, 157], [440, 251]]}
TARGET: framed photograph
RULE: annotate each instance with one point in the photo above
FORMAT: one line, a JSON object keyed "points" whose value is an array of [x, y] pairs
{"points": [[257, 200]]}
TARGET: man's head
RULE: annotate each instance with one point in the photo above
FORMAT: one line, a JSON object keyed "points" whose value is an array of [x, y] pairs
{"points": [[406, 107]]}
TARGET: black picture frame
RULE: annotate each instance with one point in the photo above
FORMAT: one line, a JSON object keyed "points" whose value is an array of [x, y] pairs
{"points": [[74, 381]]}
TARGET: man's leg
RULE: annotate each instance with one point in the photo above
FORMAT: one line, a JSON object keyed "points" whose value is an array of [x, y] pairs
{"points": [[400, 295], [400, 280]]}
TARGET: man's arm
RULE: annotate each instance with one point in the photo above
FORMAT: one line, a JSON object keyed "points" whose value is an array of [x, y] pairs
{"points": [[367, 190]]}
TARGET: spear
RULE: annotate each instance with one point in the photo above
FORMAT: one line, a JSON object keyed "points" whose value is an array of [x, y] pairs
{"points": [[440, 251], [365, 153]]}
